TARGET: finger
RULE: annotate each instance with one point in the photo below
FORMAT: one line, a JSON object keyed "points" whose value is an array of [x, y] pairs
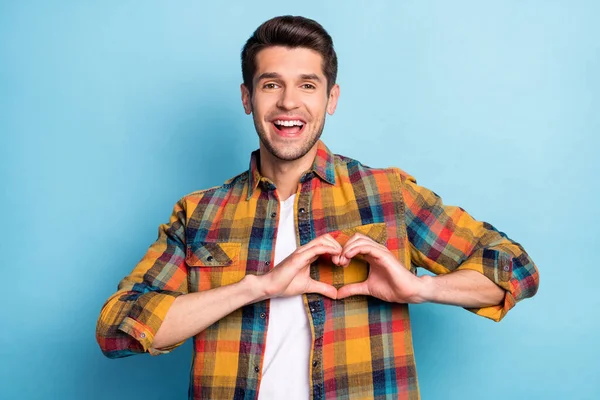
{"points": [[322, 288], [323, 249], [335, 259], [352, 239], [363, 240], [366, 249], [331, 240], [311, 254], [313, 244], [323, 239], [327, 238], [376, 256], [357, 236], [356, 240], [357, 249], [353, 289]]}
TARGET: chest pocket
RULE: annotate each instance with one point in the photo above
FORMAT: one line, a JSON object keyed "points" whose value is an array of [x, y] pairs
{"points": [[214, 264], [358, 269]]}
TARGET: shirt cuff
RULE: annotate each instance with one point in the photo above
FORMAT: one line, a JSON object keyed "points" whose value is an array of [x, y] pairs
{"points": [[498, 269], [143, 324]]}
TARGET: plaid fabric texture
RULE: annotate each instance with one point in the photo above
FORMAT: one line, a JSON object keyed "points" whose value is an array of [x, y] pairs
{"points": [[362, 347]]}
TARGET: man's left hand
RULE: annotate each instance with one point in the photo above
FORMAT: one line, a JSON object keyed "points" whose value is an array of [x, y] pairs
{"points": [[388, 280]]}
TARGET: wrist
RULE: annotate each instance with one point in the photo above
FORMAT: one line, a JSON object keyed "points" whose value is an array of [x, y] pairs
{"points": [[426, 292], [255, 288]]}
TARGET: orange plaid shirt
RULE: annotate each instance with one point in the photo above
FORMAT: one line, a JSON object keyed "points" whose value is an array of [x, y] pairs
{"points": [[362, 346]]}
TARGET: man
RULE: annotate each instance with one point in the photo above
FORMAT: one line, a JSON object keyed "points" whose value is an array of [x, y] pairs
{"points": [[294, 276]]}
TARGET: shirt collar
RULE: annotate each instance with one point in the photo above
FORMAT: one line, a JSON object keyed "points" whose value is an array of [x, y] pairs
{"points": [[322, 166]]}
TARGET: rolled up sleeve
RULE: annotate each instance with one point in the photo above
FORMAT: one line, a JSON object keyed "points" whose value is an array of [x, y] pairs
{"points": [[131, 317], [446, 238]]}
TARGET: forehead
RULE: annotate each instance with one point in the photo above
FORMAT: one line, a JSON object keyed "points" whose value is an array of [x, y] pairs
{"points": [[289, 62]]}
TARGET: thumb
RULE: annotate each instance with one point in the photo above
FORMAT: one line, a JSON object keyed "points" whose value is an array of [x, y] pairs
{"points": [[353, 289], [321, 288]]}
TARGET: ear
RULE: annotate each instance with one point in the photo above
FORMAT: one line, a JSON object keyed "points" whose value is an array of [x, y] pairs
{"points": [[246, 101], [334, 95]]}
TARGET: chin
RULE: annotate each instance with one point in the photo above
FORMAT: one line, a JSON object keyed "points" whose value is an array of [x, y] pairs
{"points": [[287, 154]]}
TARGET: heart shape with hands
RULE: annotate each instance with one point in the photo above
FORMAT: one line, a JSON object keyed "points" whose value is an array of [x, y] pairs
{"points": [[388, 279]]}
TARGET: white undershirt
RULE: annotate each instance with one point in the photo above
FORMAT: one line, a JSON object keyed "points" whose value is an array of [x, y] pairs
{"points": [[285, 367]]}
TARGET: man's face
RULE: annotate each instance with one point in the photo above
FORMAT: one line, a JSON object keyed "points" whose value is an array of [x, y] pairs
{"points": [[289, 100]]}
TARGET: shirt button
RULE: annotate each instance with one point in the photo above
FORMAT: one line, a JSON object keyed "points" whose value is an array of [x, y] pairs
{"points": [[256, 369], [315, 363], [273, 215], [263, 315], [209, 258], [267, 263], [143, 335], [302, 211], [506, 268], [312, 310]]}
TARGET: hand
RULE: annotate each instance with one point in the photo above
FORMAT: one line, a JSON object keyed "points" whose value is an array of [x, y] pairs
{"points": [[292, 276], [388, 280]]}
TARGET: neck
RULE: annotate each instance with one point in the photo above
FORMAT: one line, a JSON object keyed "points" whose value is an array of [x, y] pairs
{"points": [[285, 174]]}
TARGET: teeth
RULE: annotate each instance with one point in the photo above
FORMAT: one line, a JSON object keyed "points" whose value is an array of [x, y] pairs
{"points": [[288, 123]]}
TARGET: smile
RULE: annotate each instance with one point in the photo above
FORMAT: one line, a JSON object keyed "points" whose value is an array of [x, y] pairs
{"points": [[289, 127]]}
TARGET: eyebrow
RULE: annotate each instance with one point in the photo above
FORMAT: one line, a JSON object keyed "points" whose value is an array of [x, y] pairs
{"points": [[310, 77], [268, 75], [275, 75]]}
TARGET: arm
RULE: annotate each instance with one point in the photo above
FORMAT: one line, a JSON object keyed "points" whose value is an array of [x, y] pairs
{"points": [[183, 319], [479, 267], [131, 317], [152, 311], [390, 281], [194, 312], [461, 288], [447, 239]]}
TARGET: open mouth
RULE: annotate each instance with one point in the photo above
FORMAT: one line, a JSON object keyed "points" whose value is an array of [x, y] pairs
{"points": [[289, 127]]}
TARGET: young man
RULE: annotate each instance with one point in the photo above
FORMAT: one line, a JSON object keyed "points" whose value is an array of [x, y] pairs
{"points": [[294, 276]]}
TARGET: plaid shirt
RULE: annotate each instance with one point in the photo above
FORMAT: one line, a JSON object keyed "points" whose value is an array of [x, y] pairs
{"points": [[362, 347]]}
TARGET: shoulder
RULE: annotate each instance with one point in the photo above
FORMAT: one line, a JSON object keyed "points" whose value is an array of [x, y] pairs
{"points": [[209, 195], [357, 170]]}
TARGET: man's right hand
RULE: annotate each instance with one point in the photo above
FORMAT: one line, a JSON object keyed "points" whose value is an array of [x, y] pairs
{"points": [[193, 312], [292, 276]]}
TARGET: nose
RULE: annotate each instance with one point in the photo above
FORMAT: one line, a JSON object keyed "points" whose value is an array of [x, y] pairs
{"points": [[288, 100]]}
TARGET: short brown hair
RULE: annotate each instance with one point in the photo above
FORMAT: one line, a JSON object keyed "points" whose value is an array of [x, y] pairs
{"points": [[290, 31]]}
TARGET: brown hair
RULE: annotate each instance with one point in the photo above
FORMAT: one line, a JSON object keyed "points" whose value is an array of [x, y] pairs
{"points": [[290, 31]]}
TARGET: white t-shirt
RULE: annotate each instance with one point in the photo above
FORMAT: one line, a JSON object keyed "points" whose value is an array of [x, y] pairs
{"points": [[285, 373]]}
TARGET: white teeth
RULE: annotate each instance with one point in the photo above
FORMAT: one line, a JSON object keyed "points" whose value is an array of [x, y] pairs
{"points": [[289, 123]]}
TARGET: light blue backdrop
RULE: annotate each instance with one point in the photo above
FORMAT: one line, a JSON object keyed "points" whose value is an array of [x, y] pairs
{"points": [[110, 111]]}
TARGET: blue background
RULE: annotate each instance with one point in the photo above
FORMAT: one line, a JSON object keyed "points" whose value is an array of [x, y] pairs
{"points": [[110, 111]]}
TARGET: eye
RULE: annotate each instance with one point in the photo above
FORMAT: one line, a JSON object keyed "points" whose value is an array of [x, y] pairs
{"points": [[308, 86], [270, 86]]}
